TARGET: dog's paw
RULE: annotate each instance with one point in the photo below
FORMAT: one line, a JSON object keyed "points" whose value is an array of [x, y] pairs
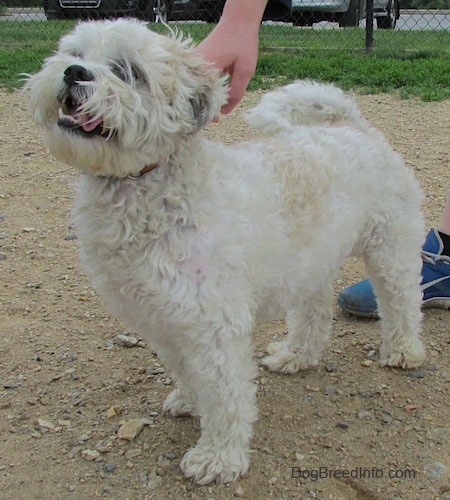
{"points": [[282, 360], [411, 356], [205, 465], [177, 405]]}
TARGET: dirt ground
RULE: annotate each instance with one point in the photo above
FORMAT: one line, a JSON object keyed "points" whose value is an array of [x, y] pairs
{"points": [[70, 387]]}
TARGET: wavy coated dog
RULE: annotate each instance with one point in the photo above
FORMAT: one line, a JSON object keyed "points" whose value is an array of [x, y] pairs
{"points": [[188, 240]]}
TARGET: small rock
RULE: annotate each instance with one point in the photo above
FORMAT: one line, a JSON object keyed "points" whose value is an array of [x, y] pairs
{"points": [[386, 417], [415, 374], [3, 256], [110, 468], [328, 391], [73, 452], [125, 340], [130, 430], [90, 455], [102, 448], [136, 452], [45, 424], [364, 414], [111, 412], [435, 470], [35, 285], [163, 462], [155, 371], [299, 456], [154, 483], [70, 237], [331, 367], [239, 492], [367, 394], [342, 425], [11, 385], [28, 229], [367, 363], [171, 455]]}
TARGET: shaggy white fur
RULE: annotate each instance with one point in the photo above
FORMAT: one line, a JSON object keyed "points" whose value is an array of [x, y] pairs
{"points": [[188, 253]]}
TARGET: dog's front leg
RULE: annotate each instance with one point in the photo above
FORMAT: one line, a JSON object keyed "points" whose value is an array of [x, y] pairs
{"points": [[221, 372]]}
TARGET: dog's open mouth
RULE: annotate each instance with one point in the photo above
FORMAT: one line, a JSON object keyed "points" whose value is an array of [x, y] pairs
{"points": [[71, 117]]}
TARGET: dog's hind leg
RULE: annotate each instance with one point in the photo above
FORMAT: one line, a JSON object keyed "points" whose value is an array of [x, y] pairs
{"points": [[220, 370], [395, 268], [309, 326], [181, 402]]}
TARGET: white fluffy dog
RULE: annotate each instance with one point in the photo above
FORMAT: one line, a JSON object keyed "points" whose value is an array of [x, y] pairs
{"points": [[186, 240]]}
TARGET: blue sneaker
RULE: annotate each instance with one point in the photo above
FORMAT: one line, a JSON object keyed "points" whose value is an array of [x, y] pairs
{"points": [[359, 299]]}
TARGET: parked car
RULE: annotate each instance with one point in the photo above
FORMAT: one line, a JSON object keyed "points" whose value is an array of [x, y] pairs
{"points": [[345, 12], [298, 12], [150, 10]]}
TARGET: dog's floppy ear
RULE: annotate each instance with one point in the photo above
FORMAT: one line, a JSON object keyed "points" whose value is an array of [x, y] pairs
{"points": [[201, 85], [202, 110], [210, 92]]}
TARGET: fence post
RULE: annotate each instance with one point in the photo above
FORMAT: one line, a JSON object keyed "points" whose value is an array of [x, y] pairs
{"points": [[369, 25]]}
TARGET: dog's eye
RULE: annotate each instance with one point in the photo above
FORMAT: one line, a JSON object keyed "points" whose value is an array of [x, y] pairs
{"points": [[137, 73], [120, 71], [126, 72]]}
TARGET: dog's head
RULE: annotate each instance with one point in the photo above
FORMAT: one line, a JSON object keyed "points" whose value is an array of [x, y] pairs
{"points": [[116, 96]]}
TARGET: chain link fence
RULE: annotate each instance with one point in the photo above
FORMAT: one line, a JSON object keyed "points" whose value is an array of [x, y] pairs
{"points": [[288, 24]]}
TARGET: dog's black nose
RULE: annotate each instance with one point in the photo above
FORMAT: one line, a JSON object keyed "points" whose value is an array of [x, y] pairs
{"points": [[76, 73]]}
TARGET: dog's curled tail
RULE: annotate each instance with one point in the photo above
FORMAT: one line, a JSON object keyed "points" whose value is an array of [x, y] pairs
{"points": [[304, 103]]}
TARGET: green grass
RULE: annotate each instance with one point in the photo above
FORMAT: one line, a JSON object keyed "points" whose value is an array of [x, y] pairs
{"points": [[424, 75], [407, 63], [284, 36]]}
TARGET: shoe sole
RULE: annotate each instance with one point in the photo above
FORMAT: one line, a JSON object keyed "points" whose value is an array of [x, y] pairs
{"points": [[433, 303], [437, 303]]}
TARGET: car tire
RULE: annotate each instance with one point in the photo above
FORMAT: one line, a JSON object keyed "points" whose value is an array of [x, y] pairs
{"points": [[52, 10], [302, 19], [389, 22], [351, 17], [210, 11], [158, 11]]}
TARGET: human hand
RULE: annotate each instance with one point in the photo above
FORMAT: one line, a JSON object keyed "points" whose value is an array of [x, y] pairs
{"points": [[232, 46], [235, 56]]}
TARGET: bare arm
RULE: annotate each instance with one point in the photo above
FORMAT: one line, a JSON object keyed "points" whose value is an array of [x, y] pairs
{"points": [[233, 45]]}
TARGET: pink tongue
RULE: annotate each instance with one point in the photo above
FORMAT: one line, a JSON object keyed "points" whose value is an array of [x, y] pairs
{"points": [[87, 123]]}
